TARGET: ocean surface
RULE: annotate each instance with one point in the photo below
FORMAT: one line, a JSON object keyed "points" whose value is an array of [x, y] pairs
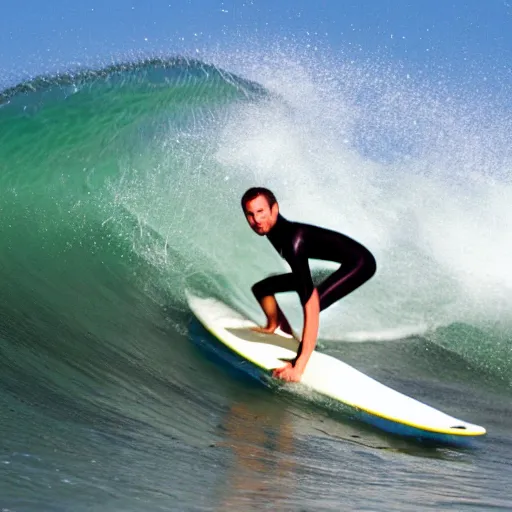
{"points": [[120, 188]]}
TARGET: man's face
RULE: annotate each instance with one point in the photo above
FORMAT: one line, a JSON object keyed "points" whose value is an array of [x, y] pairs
{"points": [[260, 216]]}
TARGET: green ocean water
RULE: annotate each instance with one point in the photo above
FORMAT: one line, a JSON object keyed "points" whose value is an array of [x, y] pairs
{"points": [[120, 187]]}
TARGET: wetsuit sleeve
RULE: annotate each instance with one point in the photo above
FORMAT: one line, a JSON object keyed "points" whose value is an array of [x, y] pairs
{"points": [[299, 264]]}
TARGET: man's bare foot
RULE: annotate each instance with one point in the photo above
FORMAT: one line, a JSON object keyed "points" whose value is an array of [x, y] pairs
{"points": [[276, 330], [264, 330]]}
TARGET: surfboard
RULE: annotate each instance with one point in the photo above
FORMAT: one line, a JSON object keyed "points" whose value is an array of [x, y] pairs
{"points": [[372, 401]]}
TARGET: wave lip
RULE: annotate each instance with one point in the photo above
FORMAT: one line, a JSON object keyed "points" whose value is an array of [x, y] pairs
{"points": [[151, 70]]}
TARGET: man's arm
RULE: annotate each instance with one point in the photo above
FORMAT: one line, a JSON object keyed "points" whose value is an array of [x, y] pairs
{"points": [[309, 332], [299, 264], [293, 371], [311, 306]]}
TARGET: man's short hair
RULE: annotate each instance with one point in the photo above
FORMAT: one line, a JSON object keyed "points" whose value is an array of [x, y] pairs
{"points": [[255, 192]]}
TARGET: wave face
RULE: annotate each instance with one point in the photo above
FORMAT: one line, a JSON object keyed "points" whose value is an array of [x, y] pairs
{"points": [[121, 187]]}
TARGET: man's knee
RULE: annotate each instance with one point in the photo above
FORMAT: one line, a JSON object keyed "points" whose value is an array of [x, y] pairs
{"points": [[260, 290], [369, 265]]}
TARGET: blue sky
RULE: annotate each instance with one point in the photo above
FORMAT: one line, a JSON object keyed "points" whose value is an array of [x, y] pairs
{"points": [[471, 38]]}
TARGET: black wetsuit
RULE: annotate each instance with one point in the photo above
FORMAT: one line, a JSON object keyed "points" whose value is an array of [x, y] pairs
{"points": [[299, 242]]}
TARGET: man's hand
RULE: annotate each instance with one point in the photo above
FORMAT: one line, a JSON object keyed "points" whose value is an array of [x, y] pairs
{"points": [[288, 372]]}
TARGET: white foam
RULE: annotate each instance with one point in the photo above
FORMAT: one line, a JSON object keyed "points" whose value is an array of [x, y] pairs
{"points": [[436, 213], [419, 177]]}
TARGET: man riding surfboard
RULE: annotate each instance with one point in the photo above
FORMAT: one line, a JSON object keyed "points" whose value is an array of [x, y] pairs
{"points": [[297, 243]]}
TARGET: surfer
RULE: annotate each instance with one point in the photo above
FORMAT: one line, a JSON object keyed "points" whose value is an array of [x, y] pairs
{"points": [[297, 243]]}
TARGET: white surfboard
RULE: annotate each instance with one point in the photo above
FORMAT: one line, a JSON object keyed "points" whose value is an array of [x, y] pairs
{"points": [[374, 402]]}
